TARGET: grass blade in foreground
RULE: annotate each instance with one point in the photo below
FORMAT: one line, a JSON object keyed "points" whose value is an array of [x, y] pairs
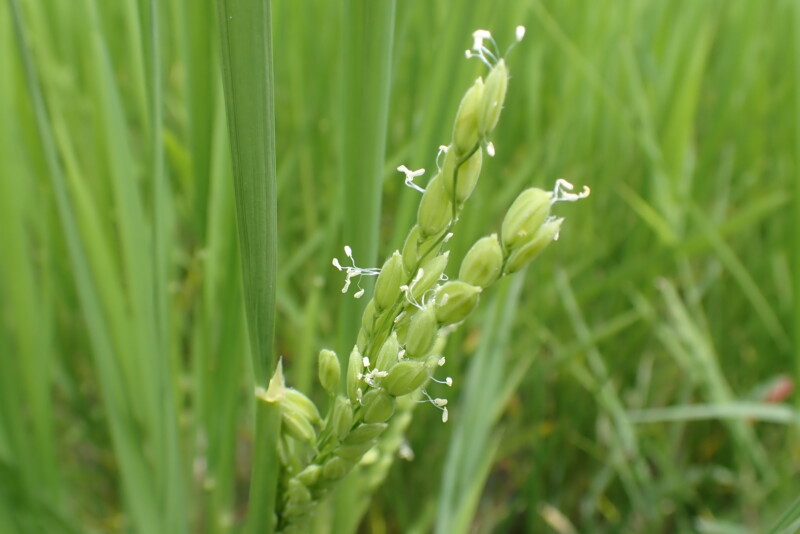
{"points": [[247, 67], [473, 445], [367, 60]]}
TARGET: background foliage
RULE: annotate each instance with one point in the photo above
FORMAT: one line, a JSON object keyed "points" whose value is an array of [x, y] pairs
{"points": [[634, 381]]}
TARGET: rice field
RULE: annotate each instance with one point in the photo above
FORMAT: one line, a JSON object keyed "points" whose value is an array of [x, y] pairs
{"points": [[177, 176]]}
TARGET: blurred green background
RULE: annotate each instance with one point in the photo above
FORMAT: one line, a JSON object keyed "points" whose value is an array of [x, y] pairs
{"points": [[638, 379]]}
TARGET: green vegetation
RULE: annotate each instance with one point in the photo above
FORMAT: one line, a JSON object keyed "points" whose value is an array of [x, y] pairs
{"points": [[635, 378]]}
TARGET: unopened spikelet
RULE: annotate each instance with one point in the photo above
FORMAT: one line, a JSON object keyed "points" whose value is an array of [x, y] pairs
{"points": [[369, 318], [364, 433], [310, 474], [354, 368], [296, 401], [431, 273], [421, 333], [435, 208], [297, 426], [525, 216], [429, 246], [387, 356], [354, 452], [411, 248], [336, 468], [405, 377], [483, 263], [387, 287], [342, 417], [455, 300], [329, 371], [528, 251], [466, 178], [378, 406], [465, 130], [298, 492], [494, 95]]}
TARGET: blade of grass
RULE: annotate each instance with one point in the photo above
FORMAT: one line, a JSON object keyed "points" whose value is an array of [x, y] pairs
{"points": [[171, 463], [366, 64], [594, 375], [472, 445], [796, 191], [134, 478], [246, 33], [25, 313]]}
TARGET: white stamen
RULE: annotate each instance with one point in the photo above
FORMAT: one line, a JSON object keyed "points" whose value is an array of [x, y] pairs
{"points": [[410, 175], [441, 361], [365, 361], [439, 403], [353, 271], [401, 354], [562, 192], [520, 33], [447, 381], [490, 149]]}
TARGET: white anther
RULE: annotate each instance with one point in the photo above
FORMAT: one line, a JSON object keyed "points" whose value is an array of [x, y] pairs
{"points": [[353, 271], [562, 192], [441, 361], [480, 50], [447, 381], [365, 361], [440, 403], [410, 175], [490, 149], [445, 415], [477, 38], [359, 396], [447, 237], [520, 33]]}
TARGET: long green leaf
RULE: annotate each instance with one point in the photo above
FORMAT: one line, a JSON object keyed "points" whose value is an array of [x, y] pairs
{"points": [[245, 29]]}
